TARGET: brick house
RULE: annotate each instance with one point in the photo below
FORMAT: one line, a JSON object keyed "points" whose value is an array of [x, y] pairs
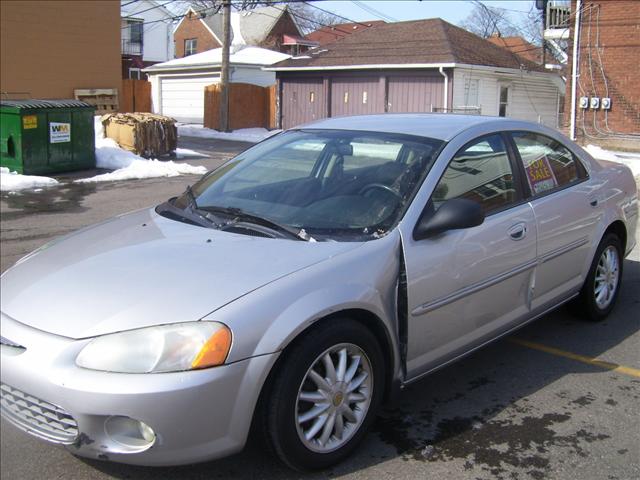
{"points": [[332, 33], [606, 67], [271, 27]]}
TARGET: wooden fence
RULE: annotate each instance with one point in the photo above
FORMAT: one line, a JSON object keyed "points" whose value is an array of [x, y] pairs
{"points": [[136, 96], [249, 106]]}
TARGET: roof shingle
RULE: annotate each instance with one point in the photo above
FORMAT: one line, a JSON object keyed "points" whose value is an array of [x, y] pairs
{"points": [[413, 42]]}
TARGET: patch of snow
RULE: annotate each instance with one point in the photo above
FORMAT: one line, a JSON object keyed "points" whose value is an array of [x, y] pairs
{"points": [[185, 152], [253, 135], [142, 168], [14, 181], [631, 160], [244, 56], [238, 40]]}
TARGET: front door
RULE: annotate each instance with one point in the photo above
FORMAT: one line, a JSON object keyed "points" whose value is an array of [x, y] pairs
{"points": [[465, 286]]}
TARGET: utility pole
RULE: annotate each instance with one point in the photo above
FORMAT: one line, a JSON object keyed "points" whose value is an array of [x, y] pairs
{"points": [[224, 74]]}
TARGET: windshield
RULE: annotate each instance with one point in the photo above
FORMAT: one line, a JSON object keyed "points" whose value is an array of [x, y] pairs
{"points": [[341, 185]]}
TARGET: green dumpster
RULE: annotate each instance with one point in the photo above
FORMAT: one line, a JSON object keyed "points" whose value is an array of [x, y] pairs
{"points": [[46, 136]]}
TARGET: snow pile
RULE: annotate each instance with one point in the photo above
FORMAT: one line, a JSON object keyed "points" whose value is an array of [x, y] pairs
{"points": [[146, 169], [253, 135], [13, 181], [129, 166], [185, 152], [631, 160], [239, 56]]}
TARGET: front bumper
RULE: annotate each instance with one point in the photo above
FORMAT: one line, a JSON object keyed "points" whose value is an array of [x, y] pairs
{"points": [[196, 416]]}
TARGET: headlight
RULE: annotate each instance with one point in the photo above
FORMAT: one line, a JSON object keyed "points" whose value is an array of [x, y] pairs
{"points": [[166, 348]]}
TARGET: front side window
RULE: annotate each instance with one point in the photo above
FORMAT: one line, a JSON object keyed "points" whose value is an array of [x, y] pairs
{"points": [[340, 185], [481, 172], [547, 163], [190, 46]]}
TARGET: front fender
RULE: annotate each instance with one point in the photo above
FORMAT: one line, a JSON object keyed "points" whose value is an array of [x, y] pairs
{"points": [[268, 319]]}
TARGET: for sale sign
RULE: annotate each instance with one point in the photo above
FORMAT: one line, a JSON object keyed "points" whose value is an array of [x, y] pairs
{"points": [[540, 175], [59, 132]]}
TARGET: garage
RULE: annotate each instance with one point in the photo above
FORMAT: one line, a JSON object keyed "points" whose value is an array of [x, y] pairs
{"points": [[177, 86], [182, 97]]}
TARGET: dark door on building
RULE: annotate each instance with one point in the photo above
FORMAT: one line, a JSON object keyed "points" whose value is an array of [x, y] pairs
{"points": [[303, 101], [415, 93]]}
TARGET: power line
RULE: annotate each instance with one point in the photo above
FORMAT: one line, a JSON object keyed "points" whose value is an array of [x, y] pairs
{"points": [[373, 11], [308, 2], [148, 9]]}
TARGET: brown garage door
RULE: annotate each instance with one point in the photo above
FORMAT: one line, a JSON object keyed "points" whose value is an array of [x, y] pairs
{"points": [[415, 93], [303, 101], [356, 96]]}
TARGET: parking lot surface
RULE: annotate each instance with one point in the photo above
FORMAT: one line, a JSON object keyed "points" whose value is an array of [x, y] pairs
{"points": [[559, 399]]}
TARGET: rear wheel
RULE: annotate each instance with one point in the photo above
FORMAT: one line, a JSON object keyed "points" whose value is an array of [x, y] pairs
{"points": [[600, 290], [326, 395]]}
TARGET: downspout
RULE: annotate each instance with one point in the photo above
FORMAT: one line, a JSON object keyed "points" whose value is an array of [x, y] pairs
{"points": [[446, 88], [574, 69]]}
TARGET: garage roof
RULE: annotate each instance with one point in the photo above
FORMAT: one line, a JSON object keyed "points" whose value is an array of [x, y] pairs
{"points": [[213, 58], [430, 42]]}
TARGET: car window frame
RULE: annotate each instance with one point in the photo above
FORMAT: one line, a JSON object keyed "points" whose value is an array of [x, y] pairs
{"points": [[517, 175], [583, 173]]}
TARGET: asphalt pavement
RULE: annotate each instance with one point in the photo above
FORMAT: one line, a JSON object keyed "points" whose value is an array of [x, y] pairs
{"points": [[559, 399]]}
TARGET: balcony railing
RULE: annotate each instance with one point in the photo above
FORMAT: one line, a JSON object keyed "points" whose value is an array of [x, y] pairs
{"points": [[558, 14], [131, 48]]}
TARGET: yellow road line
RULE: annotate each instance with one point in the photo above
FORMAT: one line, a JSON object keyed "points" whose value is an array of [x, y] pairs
{"points": [[633, 372]]}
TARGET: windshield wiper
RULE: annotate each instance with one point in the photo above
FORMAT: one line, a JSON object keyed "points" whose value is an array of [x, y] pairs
{"points": [[242, 216]]}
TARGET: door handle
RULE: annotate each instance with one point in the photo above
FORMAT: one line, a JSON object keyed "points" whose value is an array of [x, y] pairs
{"points": [[593, 202], [518, 231]]}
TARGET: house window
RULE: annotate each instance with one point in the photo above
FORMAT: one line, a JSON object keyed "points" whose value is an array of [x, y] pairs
{"points": [[134, 73], [132, 37], [190, 46], [504, 100], [471, 92]]}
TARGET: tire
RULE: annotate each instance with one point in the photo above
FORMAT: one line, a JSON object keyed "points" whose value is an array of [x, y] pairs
{"points": [[589, 304], [293, 403]]}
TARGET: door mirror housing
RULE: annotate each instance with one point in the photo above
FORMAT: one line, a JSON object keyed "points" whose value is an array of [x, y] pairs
{"points": [[454, 214]]}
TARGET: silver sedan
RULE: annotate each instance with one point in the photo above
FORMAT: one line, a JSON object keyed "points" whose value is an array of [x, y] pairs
{"points": [[305, 282]]}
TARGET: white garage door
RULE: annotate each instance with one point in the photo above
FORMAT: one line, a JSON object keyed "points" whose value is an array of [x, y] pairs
{"points": [[182, 97]]}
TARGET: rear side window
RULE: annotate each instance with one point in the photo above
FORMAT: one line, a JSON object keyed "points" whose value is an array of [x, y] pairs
{"points": [[481, 172], [547, 163]]}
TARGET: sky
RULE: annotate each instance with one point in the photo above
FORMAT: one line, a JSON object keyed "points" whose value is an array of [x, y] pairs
{"points": [[452, 11]]}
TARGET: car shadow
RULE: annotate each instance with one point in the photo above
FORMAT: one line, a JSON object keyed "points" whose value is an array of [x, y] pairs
{"points": [[477, 411]]}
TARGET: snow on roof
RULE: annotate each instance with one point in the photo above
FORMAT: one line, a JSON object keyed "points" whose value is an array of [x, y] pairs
{"points": [[243, 56]]}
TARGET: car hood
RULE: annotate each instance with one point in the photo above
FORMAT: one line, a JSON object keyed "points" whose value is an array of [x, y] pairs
{"points": [[142, 269]]}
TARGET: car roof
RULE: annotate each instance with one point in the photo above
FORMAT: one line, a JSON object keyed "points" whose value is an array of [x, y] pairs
{"points": [[441, 126]]}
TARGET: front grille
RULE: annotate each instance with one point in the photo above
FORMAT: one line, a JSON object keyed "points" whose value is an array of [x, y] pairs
{"points": [[36, 416]]}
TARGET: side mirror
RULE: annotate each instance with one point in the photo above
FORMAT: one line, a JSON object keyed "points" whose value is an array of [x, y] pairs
{"points": [[453, 214]]}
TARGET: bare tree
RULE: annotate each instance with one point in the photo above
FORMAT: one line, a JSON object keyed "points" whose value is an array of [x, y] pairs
{"points": [[485, 21]]}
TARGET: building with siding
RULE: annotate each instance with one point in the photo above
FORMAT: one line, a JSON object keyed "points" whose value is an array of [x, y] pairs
{"points": [[147, 35], [48, 49], [271, 27], [416, 66]]}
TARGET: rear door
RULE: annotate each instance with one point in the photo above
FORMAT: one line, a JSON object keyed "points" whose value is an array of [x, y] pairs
{"points": [[466, 286], [566, 214]]}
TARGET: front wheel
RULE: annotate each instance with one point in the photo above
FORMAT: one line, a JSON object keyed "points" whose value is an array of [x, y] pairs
{"points": [[600, 290], [326, 396]]}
